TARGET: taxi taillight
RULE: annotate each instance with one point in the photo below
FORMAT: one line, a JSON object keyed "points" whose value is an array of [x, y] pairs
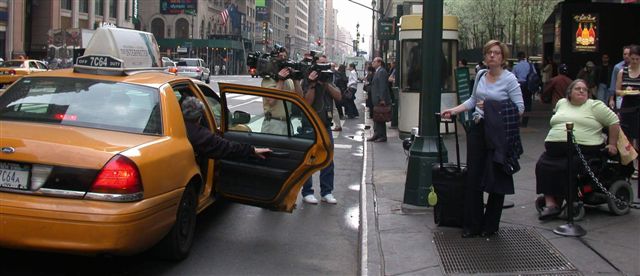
{"points": [[12, 72], [119, 176]]}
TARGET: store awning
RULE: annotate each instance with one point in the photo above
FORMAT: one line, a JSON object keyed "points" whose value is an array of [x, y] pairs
{"points": [[200, 43]]}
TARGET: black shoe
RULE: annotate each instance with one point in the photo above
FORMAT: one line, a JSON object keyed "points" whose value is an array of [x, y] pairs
{"points": [[372, 139], [549, 213], [468, 234]]}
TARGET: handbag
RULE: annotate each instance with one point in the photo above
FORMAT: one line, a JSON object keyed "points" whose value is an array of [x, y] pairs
{"points": [[381, 113], [347, 94]]}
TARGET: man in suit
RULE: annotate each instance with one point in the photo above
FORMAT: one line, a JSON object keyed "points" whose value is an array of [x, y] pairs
{"points": [[380, 95]]}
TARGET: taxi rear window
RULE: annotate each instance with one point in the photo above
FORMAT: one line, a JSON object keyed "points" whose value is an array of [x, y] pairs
{"points": [[188, 62], [82, 102]]}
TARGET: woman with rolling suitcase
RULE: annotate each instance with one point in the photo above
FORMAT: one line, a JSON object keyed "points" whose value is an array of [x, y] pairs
{"points": [[493, 141]]}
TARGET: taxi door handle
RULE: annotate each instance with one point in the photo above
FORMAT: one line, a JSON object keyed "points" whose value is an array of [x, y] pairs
{"points": [[279, 154]]}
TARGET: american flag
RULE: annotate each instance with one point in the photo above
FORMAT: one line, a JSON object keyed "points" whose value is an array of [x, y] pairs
{"points": [[225, 15]]}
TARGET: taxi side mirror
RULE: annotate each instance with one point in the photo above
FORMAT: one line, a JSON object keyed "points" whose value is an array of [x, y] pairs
{"points": [[240, 117]]}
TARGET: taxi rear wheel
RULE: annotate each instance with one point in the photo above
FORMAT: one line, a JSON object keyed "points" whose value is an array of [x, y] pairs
{"points": [[177, 244]]}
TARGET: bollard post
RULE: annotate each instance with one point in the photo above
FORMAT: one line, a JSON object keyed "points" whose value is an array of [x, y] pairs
{"points": [[570, 229]]}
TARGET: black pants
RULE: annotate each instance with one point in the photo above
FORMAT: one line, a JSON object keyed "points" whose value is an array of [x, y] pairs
{"points": [[477, 218]]}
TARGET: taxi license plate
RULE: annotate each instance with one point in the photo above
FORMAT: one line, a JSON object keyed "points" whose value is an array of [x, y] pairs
{"points": [[14, 176]]}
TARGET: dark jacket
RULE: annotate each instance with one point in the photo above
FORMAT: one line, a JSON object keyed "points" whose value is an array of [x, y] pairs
{"points": [[380, 87], [206, 143], [502, 135]]}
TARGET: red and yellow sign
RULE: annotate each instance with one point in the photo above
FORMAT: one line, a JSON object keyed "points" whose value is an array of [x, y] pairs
{"points": [[587, 32]]}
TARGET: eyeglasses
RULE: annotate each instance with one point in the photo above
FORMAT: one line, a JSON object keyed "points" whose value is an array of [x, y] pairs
{"points": [[493, 53], [579, 88]]}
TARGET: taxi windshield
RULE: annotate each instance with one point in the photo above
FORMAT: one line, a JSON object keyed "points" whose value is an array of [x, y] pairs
{"points": [[13, 64], [83, 102]]}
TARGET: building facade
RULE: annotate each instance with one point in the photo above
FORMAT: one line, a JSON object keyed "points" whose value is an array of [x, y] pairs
{"points": [[298, 26], [55, 30], [271, 25], [316, 25], [199, 29]]}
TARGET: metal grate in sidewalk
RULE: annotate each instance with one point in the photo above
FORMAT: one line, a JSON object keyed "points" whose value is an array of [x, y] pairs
{"points": [[513, 251]]}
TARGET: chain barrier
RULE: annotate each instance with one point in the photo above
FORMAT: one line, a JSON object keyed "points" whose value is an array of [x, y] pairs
{"points": [[597, 181]]}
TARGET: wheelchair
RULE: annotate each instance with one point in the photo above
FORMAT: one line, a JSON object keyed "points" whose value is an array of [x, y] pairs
{"points": [[614, 179]]}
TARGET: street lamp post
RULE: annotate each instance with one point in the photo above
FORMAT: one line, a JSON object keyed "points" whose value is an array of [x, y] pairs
{"points": [[373, 25], [357, 39]]}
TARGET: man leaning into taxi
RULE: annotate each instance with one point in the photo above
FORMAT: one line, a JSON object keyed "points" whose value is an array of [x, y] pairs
{"points": [[275, 119], [206, 143]]}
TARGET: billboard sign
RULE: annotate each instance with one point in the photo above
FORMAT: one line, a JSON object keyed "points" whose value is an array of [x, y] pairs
{"points": [[587, 33], [178, 6]]}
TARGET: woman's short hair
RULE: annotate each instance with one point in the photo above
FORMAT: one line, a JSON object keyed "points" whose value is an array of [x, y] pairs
{"points": [[570, 88], [503, 48]]}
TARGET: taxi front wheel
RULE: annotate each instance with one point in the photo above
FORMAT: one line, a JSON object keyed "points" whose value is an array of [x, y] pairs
{"points": [[177, 244]]}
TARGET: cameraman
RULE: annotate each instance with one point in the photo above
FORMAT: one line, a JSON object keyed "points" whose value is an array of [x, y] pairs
{"points": [[320, 94], [275, 119]]}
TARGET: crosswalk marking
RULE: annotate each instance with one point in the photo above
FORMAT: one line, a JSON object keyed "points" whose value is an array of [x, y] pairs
{"points": [[342, 146], [244, 97]]}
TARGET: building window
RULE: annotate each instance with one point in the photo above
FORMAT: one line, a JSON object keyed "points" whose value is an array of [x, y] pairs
{"points": [[182, 28], [66, 4], [157, 28], [126, 9], [84, 6], [99, 7], [112, 8]]}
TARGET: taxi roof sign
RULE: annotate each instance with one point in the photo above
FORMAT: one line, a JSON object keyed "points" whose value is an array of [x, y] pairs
{"points": [[115, 49]]}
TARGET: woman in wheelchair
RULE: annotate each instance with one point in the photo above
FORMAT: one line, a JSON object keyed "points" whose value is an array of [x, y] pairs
{"points": [[589, 117]]}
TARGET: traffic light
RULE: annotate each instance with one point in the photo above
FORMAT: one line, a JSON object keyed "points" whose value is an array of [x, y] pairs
{"points": [[319, 42]]}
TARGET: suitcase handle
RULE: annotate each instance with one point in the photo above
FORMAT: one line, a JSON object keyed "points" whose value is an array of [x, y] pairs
{"points": [[438, 117]]}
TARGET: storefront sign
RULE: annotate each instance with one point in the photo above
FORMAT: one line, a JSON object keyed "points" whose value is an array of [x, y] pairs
{"points": [[586, 33], [387, 29]]}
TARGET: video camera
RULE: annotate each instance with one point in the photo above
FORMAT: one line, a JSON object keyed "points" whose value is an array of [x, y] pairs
{"points": [[268, 65]]}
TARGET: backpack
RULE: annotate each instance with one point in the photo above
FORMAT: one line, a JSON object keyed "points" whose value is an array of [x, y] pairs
{"points": [[533, 80]]}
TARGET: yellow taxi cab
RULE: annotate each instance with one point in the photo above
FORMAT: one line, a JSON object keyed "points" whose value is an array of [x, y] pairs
{"points": [[11, 70], [96, 160]]}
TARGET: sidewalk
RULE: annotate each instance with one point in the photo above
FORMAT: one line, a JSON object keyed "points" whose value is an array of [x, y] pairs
{"points": [[401, 240]]}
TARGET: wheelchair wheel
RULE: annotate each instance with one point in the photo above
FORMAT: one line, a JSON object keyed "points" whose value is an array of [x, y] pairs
{"points": [[540, 203], [622, 190]]}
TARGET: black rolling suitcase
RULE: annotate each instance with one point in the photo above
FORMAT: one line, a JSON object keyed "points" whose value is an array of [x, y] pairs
{"points": [[448, 182]]}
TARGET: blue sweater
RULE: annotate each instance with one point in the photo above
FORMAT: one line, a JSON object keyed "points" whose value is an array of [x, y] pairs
{"points": [[506, 87]]}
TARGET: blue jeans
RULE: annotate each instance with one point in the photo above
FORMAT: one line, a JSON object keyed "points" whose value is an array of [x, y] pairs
{"points": [[326, 177]]}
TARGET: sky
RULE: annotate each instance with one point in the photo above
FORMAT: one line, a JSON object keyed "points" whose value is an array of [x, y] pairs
{"points": [[350, 14]]}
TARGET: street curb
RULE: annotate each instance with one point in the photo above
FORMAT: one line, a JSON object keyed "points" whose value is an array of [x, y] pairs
{"points": [[363, 236]]}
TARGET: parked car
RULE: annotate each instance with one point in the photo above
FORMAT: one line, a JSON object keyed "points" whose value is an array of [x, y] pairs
{"points": [[194, 68], [11, 70], [96, 160]]}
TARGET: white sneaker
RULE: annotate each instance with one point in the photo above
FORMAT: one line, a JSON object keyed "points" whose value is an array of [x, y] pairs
{"points": [[329, 199], [311, 199]]}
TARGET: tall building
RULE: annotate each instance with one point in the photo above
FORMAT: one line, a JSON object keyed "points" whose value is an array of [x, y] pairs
{"points": [[298, 26], [271, 26], [331, 23], [55, 30], [316, 25]]}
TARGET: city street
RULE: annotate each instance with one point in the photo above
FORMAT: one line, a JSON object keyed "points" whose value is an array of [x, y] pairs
{"points": [[233, 239]]}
